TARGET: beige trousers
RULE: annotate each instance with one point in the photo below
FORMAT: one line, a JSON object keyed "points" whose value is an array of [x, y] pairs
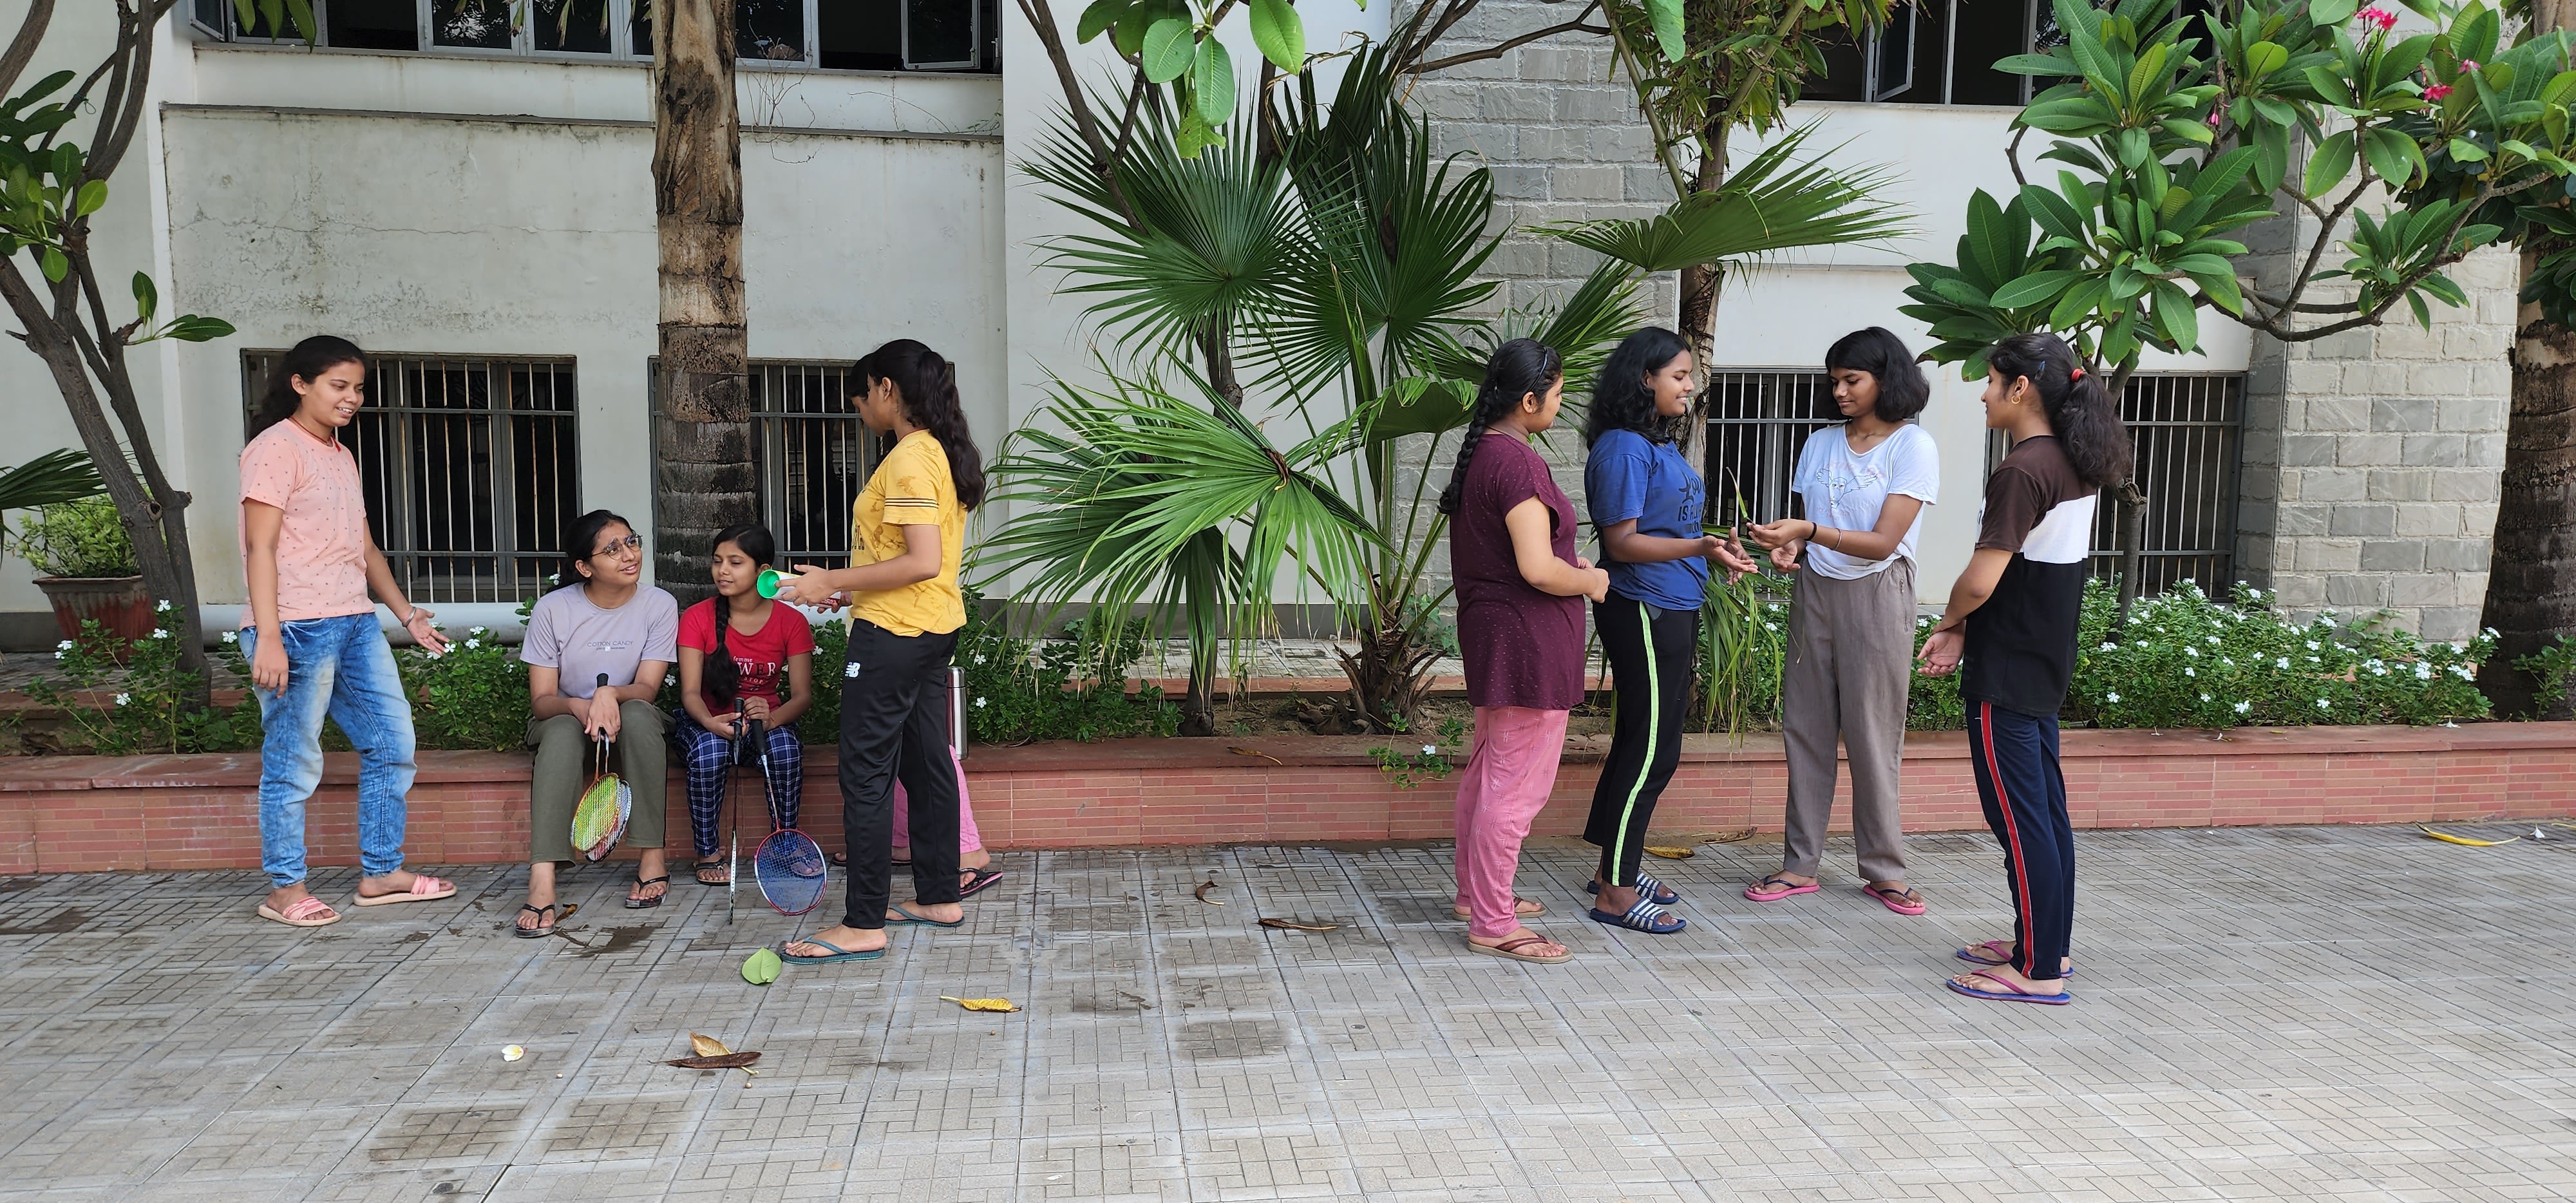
{"points": [[1850, 659]]}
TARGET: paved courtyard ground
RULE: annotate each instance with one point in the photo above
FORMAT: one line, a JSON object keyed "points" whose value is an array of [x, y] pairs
{"points": [[2348, 1013]]}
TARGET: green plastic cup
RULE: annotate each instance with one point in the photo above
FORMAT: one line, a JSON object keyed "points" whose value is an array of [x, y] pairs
{"points": [[767, 583]]}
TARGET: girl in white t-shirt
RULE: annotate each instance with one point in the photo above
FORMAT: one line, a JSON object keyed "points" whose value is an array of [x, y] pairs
{"points": [[1863, 485]]}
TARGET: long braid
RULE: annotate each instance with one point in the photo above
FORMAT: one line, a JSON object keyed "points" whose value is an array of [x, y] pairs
{"points": [[1519, 368]]}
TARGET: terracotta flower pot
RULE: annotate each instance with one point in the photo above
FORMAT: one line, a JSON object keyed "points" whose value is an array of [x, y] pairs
{"points": [[118, 603]]}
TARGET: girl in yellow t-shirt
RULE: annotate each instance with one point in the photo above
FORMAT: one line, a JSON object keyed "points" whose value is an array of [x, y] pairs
{"points": [[907, 537]]}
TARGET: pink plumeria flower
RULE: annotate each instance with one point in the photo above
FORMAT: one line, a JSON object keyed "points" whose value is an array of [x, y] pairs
{"points": [[2437, 92], [2468, 64], [2378, 18]]}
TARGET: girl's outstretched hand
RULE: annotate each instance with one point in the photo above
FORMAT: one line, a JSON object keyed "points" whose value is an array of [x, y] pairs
{"points": [[803, 589], [1940, 654], [1785, 556]]}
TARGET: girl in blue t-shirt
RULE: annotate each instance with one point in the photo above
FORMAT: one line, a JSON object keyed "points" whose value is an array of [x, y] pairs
{"points": [[1646, 502]]}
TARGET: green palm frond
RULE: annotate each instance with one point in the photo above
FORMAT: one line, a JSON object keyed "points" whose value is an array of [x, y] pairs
{"points": [[1122, 501], [1394, 237], [1209, 245], [1771, 204], [49, 479]]}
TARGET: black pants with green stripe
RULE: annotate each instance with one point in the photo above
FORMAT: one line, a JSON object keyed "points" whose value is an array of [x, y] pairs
{"points": [[1652, 653]]}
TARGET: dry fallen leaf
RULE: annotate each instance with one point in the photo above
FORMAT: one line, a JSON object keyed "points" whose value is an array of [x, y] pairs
{"points": [[981, 1004], [707, 1046], [1292, 925], [718, 1061], [1203, 895], [2463, 840], [1670, 853]]}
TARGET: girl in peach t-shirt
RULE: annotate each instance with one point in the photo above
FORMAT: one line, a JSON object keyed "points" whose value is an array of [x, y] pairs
{"points": [[310, 633]]}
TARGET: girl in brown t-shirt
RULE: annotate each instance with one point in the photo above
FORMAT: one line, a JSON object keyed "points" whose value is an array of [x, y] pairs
{"points": [[2012, 619], [1520, 632]]}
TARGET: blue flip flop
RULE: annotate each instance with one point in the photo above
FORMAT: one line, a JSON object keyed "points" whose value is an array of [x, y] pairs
{"points": [[908, 917], [838, 953], [1645, 917], [1969, 954], [2008, 993], [1647, 887]]}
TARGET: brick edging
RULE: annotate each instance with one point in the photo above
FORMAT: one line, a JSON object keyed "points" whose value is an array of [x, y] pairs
{"points": [[86, 813]]}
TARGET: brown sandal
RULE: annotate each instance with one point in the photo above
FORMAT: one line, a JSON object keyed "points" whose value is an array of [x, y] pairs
{"points": [[1511, 950]]}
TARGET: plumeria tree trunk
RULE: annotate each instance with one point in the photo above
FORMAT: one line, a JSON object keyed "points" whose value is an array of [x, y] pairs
{"points": [[704, 474], [2531, 576], [2531, 579]]}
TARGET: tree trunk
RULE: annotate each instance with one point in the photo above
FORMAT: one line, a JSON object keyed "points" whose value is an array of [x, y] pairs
{"points": [[705, 477], [1699, 287], [2531, 578]]}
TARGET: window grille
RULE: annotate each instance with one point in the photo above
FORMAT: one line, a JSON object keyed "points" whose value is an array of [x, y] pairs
{"points": [[2187, 427], [469, 467], [2187, 431], [1757, 422], [814, 458]]}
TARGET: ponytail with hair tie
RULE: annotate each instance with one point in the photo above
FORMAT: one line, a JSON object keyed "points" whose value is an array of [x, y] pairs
{"points": [[2080, 411]]}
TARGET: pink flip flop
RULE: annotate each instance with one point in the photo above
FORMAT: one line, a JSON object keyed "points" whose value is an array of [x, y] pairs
{"points": [[1903, 902], [424, 888], [1774, 888], [307, 911], [2009, 992]]}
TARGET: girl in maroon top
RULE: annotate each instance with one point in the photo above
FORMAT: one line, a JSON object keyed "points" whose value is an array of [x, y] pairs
{"points": [[1520, 631]]}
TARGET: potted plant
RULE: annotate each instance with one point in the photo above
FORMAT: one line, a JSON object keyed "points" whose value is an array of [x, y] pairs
{"points": [[84, 561]]}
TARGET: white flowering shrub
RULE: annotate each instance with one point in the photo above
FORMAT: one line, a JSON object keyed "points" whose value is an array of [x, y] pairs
{"points": [[2186, 659]]}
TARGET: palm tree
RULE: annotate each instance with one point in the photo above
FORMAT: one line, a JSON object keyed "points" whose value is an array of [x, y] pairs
{"points": [[704, 475]]}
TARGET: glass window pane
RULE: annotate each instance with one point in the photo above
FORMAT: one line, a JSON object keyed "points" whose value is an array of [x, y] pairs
{"points": [[770, 29], [861, 35], [481, 24], [374, 24], [1988, 30], [939, 33], [1841, 78], [570, 26]]}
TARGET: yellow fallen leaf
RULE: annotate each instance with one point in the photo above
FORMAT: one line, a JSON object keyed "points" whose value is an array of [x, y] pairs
{"points": [[2462, 839], [1671, 853], [981, 1004], [707, 1046]]}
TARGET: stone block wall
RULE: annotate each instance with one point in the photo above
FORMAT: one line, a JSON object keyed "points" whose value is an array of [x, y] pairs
{"points": [[2372, 457], [1564, 140]]}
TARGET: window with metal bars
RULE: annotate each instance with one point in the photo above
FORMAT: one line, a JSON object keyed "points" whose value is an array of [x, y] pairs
{"points": [[814, 458], [470, 468], [2187, 431], [2187, 428]]}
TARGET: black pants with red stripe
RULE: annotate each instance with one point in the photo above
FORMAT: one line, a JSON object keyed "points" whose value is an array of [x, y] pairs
{"points": [[2025, 799]]}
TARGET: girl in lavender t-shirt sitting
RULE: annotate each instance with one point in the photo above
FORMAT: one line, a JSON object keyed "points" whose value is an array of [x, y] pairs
{"points": [[1520, 631]]}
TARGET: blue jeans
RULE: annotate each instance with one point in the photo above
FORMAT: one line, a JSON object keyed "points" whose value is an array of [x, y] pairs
{"points": [[340, 667]]}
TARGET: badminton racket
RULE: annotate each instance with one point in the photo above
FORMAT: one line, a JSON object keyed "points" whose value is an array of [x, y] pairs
{"points": [[733, 855], [599, 819], [788, 866]]}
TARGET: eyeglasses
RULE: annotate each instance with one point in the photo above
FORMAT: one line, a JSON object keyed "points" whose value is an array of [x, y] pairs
{"points": [[629, 543]]}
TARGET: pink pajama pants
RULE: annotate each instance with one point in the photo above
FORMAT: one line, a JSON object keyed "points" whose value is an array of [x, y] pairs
{"points": [[1509, 773], [968, 839]]}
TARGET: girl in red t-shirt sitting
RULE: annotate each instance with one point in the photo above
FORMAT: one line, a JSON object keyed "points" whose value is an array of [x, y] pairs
{"points": [[761, 653]]}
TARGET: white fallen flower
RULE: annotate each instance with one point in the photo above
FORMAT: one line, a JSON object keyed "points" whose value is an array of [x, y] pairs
{"points": [[123, 698]]}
